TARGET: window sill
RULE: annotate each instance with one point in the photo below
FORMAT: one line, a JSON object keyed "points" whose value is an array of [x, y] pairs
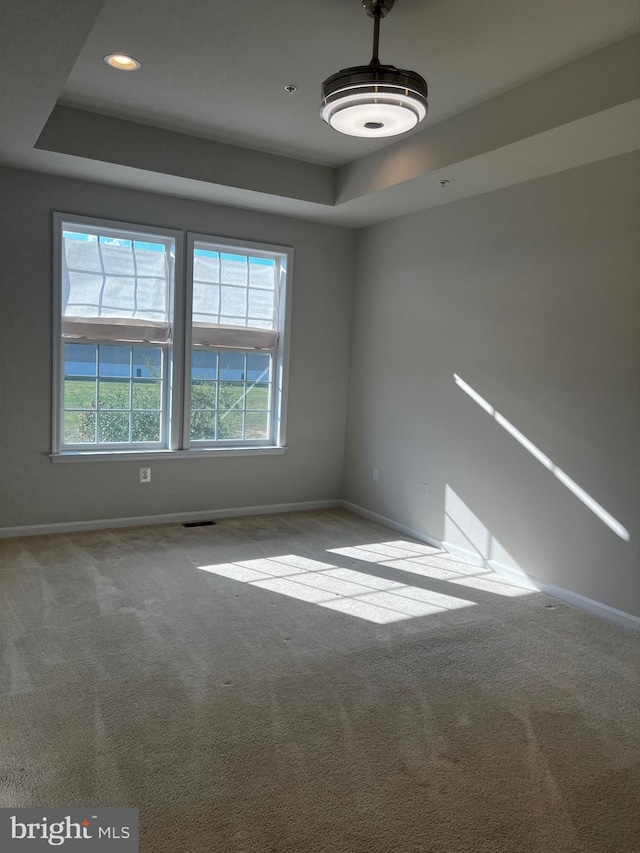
{"points": [[148, 455]]}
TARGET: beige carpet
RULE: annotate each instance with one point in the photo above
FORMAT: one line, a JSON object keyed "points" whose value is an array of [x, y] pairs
{"points": [[388, 700]]}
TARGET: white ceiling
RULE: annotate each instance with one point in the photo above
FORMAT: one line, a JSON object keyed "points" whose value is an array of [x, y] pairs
{"points": [[518, 89], [218, 69]]}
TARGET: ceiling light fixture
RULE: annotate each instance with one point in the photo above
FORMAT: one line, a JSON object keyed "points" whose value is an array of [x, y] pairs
{"points": [[122, 62], [374, 100]]}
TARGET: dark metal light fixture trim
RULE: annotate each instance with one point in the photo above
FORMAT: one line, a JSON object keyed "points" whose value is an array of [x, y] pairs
{"points": [[374, 100]]}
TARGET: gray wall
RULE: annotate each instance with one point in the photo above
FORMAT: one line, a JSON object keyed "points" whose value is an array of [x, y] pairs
{"points": [[530, 295], [35, 491]]}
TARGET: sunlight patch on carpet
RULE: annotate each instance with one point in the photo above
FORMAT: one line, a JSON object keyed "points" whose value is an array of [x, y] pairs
{"points": [[431, 563], [355, 593]]}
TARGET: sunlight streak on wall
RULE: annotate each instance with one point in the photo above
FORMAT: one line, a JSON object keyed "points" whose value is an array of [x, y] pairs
{"points": [[596, 508]]}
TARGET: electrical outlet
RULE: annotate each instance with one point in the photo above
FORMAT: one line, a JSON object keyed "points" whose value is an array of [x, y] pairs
{"points": [[145, 475], [376, 475], [423, 491]]}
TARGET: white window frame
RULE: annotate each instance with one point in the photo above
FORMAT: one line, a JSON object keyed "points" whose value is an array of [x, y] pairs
{"points": [[177, 375]]}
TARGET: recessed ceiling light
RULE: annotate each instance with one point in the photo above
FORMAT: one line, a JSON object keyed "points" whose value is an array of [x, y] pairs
{"points": [[122, 62]]}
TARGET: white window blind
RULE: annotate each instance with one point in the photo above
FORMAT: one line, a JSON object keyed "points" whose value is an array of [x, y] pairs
{"points": [[115, 287], [235, 298]]}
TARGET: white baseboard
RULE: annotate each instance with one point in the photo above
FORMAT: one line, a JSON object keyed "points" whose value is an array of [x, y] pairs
{"points": [[167, 518], [389, 522], [476, 559], [627, 620]]}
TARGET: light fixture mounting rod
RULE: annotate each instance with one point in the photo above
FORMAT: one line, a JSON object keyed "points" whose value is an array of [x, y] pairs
{"points": [[376, 37], [377, 9]]}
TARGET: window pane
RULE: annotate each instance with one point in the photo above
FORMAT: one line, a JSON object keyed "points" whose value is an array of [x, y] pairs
{"points": [[231, 395], [113, 427], [261, 307], [258, 367], [115, 397], [256, 425], [145, 426], [262, 273], [80, 359], [206, 302], [233, 269], [114, 394], [230, 425], [257, 397], [204, 364], [242, 396], [206, 265], [80, 394], [203, 426], [232, 365], [147, 363], [80, 427], [114, 361], [233, 305], [203, 395], [146, 395]]}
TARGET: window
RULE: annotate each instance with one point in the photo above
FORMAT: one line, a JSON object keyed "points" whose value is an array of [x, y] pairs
{"points": [[155, 352], [235, 321]]}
